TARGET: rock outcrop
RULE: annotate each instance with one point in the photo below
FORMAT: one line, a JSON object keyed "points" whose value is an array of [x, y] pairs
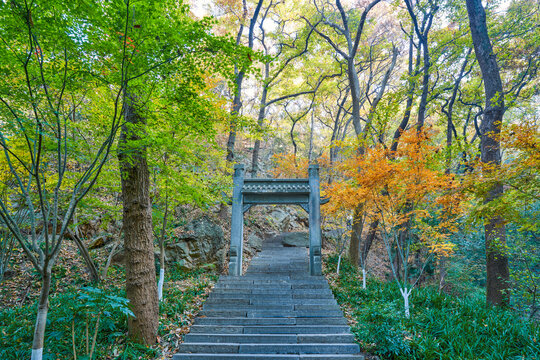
{"points": [[295, 239], [200, 242]]}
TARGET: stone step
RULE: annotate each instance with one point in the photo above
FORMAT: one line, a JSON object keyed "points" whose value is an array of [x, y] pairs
{"points": [[275, 311], [264, 329], [266, 357], [223, 307], [235, 348], [274, 282], [263, 313], [268, 321], [269, 338], [322, 301], [272, 277], [312, 293], [260, 296], [269, 301], [268, 290], [289, 307], [236, 286]]}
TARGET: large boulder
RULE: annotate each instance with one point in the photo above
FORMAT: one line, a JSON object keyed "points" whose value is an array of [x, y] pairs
{"points": [[288, 219], [280, 219], [200, 242], [255, 242], [333, 235], [295, 239]]}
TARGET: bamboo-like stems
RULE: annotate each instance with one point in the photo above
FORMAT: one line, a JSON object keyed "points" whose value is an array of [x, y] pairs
{"points": [[73, 339], [95, 337]]}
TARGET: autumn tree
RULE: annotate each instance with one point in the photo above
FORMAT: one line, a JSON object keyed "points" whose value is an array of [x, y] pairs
{"points": [[408, 186], [495, 234]]}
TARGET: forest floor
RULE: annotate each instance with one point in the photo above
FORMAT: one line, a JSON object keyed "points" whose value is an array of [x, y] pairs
{"points": [[441, 323], [184, 295]]}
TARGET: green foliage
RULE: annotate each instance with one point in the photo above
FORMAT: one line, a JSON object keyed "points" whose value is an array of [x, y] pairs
{"points": [[525, 270], [77, 308], [80, 307], [441, 326]]}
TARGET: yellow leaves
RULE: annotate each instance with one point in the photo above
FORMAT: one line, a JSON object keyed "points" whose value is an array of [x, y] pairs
{"points": [[289, 166], [442, 250], [17, 153], [518, 174], [406, 186]]}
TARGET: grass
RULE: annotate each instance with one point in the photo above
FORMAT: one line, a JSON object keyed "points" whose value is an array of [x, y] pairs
{"points": [[441, 326], [184, 292]]}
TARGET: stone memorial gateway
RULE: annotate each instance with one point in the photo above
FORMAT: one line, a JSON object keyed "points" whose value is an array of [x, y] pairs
{"points": [[282, 308], [251, 192]]}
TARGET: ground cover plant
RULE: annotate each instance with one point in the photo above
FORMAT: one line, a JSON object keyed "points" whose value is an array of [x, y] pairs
{"points": [[441, 326], [76, 333]]}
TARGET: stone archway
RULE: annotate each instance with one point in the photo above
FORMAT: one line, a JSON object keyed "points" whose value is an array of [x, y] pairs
{"points": [[251, 192]]}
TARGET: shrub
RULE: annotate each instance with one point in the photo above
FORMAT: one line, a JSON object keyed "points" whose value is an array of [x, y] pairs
{"points": [[441, 326], [71, 311]]}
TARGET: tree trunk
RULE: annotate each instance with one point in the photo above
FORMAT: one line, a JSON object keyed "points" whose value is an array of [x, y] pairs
{"points": [[141, 289], [422, 31], [366, 245], [90, 265], [356, 234], [41, 321], [260, 122], [237, 101], [410, 94], [310, 153], [162, 250], [450, 128], [405, 294], [495, 233], [235, 112], [425, 86]]}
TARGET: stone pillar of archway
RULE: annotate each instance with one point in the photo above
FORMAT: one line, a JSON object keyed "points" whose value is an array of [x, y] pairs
{"points": [[315, 265], [237, 223]]}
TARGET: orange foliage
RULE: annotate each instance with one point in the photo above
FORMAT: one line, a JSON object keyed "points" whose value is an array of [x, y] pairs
{"points": [[405, 186]]}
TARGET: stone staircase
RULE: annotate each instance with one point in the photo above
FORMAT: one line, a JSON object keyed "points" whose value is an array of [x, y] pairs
{"points": [[275, 311]]}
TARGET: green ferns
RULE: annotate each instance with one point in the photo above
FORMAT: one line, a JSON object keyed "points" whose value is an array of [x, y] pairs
{"points": [[72, 311]]}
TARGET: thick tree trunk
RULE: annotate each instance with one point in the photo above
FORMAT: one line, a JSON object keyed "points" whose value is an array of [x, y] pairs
{"points": [[41, 321], [237, 105], [141, 286], [354, 84], [495, 233], [366, 246]]}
